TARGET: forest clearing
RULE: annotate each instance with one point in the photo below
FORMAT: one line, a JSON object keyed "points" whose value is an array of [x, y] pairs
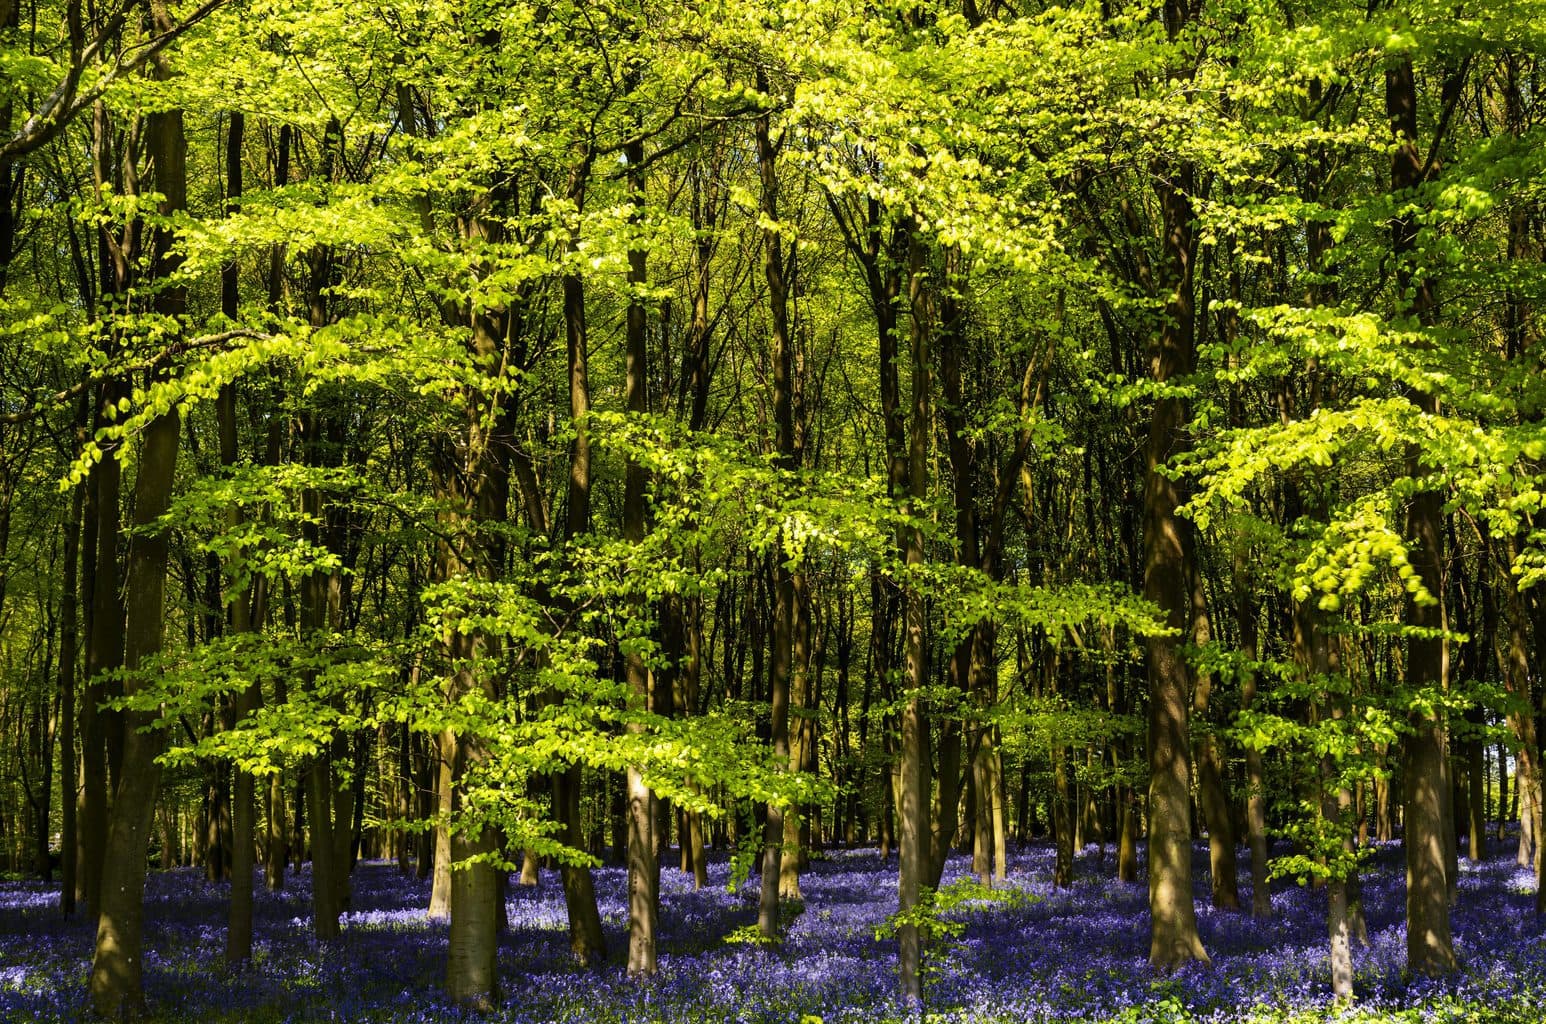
{"points": [[443, 437]]}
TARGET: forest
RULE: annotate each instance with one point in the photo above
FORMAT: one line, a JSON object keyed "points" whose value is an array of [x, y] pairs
{"points": [[735, 510]]}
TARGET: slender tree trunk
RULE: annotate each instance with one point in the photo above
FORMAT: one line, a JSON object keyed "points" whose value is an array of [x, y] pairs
{"points": [[968, 674], [69, 642], [692, 839], [586, 941], [117, 987], [319, 799], [238, 947], [406, 805], [1476, 777], [474, 480], [440, 884], [585, 936], [1503, 791], [1167, 575], [318, 777], [103, 582], [784, 596], [1343, 916], [1062, 819], [277, 844], [1000, 806], [1223, 874], [104, 653], [1538, 615], [643, 852], [1425, 764], [912, 796], [1256, 793], [41, 735], [1384, 823], [802, 735], [1166, 583], [1339, 930], [988, 839], [474, 933]]}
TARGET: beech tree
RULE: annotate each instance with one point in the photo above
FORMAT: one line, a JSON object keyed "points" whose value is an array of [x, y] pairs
{"points": [[521, 436]]}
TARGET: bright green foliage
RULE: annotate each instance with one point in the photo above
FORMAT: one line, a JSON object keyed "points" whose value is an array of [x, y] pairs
{"points": [[470, 187]]}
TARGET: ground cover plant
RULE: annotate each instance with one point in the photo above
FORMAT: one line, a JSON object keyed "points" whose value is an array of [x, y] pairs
{"points": [[1077, 954]]}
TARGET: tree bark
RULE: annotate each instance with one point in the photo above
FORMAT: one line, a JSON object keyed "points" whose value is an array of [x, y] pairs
{"points": [[643, 854], [1062, 818], [781, 665], [319, 800], [1425, 763], [802, 734], [1222, 871], [101, 730], [474, 933], [238, 948], [69, 642], [104, 653], [117, 986], [1255, 781], [913, 792], [277, 844], [585, 936], [440, 883], [1166, 583]]}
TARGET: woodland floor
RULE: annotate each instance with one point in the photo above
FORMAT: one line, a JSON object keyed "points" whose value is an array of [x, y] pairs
{"points": [[1064, 955]]}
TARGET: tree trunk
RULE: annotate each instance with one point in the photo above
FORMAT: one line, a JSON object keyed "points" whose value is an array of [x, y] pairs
{"points": [[1256, 793], [319, 799], [585, 936], [1476, 779], [643, 853], [104, 653], [1062, 818], [238, 947], [474, 889], [912, 796], [103, 582], [116, 982], [693, 856], [1514, 661], [1222, 871], [117, 988], [1340, 933], [1000, 805], [440, 884], [781, 666], [802, 735], [69, 642], [988, 817], [1538, 614], [276, 845], [1166, 583], [1503, 791], [1425, 764], [586, 940], [1127, 840]]}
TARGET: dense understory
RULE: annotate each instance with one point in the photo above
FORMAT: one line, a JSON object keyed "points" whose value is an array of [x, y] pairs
{"points": [[1079, 954]]}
